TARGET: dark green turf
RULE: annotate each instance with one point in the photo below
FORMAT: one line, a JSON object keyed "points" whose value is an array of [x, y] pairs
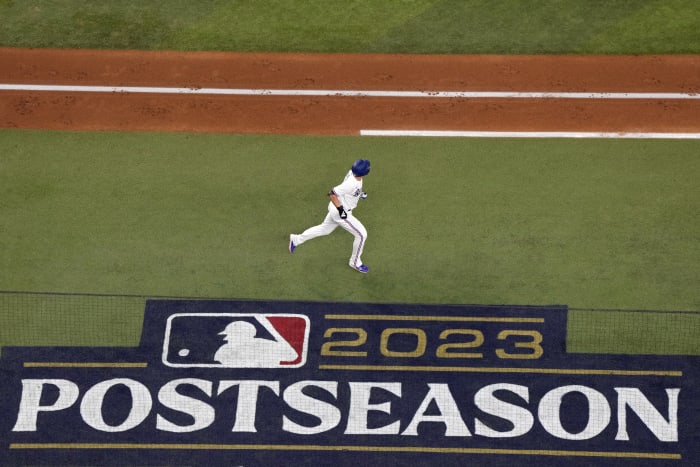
{"points": [[410, 26], [588, 223]]}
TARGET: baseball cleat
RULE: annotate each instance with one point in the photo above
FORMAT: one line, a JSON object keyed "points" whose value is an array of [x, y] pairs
{"points": [[292, 246], [361, 268]]}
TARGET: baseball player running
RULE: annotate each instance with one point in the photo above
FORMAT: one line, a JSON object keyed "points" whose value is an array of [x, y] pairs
{"points": [[343, 200]]}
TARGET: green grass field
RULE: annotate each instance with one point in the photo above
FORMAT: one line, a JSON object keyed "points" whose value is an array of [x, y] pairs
{"points": [[592, 224], [598, 225], [409, 26]]}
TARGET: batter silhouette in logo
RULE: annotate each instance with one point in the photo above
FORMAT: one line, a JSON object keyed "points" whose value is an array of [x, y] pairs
{"points": [[243, 349], [235, 340]]}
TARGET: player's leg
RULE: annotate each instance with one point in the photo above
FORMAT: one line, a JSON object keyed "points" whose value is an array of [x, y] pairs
{"points": [[355, 227], [326, 227]]}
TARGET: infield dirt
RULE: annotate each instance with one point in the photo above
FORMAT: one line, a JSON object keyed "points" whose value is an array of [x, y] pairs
{"points": [[339, 115]]}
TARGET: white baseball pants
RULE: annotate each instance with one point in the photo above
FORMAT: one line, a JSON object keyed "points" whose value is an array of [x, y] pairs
{"points": [[332, 222]]}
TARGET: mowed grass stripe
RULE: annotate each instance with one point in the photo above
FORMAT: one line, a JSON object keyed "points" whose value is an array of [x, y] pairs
{"points": [[589, 223]]}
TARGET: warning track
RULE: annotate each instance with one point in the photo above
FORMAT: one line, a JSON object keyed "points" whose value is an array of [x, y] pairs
{"points": [[346, 94]]}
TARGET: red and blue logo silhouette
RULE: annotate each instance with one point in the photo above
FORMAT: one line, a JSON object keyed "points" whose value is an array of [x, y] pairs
{"points": [[234, 340]]}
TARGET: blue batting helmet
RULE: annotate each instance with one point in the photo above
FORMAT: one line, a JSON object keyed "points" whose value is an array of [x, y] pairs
{"points": [[360, 167]]}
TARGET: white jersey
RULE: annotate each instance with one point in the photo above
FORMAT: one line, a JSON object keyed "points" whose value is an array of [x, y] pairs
{"points": [[348, 192]]}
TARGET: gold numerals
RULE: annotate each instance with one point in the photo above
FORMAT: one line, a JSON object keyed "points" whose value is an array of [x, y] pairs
{"points": [[395, 342]]}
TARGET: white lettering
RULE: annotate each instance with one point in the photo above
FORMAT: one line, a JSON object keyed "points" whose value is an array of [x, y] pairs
{"points": [[328, 414], [449, 412], [202, 413], [360, 394], [598, 412], [664, 430], [313, 407], [30, 405], [93, 402], [520, 417], [247, 405]]}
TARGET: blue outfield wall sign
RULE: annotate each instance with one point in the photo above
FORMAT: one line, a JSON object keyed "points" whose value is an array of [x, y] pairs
{"points": [[267, 383]]}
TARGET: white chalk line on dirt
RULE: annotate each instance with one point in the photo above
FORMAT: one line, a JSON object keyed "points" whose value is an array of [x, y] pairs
{"points": [[528, 134], [347, 93], [399, 94]]}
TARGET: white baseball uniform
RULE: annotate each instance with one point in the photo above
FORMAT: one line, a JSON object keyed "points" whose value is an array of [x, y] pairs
{"points": [[348, 193]]}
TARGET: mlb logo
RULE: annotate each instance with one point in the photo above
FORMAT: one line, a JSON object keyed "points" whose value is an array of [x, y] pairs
{"points": [[235, 340]]}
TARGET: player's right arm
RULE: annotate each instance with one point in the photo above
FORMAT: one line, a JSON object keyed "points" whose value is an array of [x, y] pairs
{"points": [[334, 198], [338, 204]]}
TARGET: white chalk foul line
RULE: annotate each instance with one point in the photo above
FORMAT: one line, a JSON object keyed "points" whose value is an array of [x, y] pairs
{"points": [[347, 93], [528, 134]]}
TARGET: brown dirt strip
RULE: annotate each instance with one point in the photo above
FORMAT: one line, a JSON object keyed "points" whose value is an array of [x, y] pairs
{"points": [[346, 115]]}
